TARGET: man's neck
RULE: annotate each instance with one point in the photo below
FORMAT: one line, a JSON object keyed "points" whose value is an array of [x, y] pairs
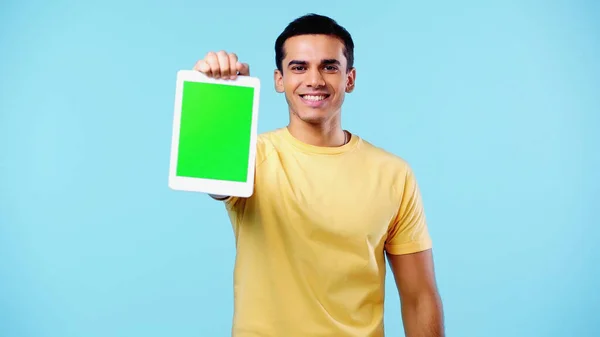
{"points": [[328, 134]]}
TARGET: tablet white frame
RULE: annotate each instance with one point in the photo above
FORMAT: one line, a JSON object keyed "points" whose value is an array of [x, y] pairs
{"points": [[212, 186]]}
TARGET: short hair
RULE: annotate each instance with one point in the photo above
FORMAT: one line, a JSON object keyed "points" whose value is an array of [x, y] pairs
{"points": [[314, 24]]}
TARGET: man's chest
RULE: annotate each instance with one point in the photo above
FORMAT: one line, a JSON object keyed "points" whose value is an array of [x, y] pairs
{"points": [[325, 200]]}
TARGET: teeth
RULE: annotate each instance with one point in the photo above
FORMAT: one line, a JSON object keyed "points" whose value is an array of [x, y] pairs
{"points": [[314, 98]]}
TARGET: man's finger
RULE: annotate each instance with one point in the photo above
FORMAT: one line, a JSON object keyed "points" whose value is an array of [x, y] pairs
{"points": [[223, 63], [233, 60], [243, 69], [202, 67], [213, 63]]}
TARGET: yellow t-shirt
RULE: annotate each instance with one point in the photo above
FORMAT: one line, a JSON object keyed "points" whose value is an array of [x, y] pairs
{"points": [[312, 238]]}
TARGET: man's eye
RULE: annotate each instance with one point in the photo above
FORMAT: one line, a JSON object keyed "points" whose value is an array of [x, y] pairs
{"points": [[300, 68], [330, 68]]}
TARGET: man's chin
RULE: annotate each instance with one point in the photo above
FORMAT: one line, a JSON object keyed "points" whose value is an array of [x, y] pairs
{"points": [[314, 117]]}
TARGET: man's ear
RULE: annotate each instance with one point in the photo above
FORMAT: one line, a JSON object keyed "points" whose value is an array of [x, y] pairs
{"points": [[278, 77], [350, 80]]}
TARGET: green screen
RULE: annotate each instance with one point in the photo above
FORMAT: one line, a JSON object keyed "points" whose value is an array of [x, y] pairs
{"points": [[214, 139]]}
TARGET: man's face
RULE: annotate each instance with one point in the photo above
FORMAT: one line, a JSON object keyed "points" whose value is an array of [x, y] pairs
{"points": [[314, 77]]}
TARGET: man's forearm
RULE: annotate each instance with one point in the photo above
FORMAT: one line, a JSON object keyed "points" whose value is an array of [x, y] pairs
{"points": [[423, 316]]}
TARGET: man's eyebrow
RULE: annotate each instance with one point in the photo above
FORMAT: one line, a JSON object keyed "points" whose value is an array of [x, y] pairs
{"points": [[325, 61], [331, 61], [292, 62]]}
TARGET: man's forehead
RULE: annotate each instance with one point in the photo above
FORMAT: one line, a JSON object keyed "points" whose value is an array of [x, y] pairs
{"points": [[314, 48]]}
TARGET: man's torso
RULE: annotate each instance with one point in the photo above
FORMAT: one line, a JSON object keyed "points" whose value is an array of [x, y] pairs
{"points": [[310, 241]]}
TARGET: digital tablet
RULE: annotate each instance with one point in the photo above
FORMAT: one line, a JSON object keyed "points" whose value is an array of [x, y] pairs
{"points": [[213, 147]]}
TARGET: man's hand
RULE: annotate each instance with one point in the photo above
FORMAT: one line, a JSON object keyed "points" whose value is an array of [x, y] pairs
{"points": [[422, 312], [222, 65]]}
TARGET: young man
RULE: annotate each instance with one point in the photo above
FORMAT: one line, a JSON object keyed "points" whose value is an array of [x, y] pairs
{"points": [[326, 209]]}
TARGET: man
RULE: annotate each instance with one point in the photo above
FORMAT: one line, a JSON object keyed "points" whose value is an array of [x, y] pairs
{"points": [[326, 209]]}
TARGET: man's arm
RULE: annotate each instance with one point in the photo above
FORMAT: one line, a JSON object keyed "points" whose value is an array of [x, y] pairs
{"points": [[422, 311]]}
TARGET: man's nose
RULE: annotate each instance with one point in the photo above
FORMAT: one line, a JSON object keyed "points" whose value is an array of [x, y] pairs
{"points": [[315, 78]]}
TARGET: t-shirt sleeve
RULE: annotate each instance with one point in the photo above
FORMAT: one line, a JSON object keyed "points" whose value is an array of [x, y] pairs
{"points": [[408, 232], [236, 206]]}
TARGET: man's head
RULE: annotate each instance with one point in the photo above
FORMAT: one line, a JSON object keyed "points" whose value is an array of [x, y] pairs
{"points": [[315, 67]]}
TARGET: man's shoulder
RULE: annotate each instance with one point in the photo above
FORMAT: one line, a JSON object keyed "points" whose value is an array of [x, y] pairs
{"points": [[269, 136], [391, 168], [266, 143], [380, 156]]}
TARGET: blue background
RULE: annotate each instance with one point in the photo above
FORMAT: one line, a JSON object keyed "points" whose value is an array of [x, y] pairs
{"points": [[495, 104]]}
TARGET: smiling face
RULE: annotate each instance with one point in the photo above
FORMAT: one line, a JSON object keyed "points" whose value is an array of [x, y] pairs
{"points": [[315, 78]]}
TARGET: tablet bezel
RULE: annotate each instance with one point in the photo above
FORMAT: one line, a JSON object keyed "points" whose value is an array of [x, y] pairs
{"points": [[213, 186]]}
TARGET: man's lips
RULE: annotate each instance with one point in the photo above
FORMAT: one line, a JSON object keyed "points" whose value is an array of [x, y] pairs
{"points": [[314, 99], [314, 96]]}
